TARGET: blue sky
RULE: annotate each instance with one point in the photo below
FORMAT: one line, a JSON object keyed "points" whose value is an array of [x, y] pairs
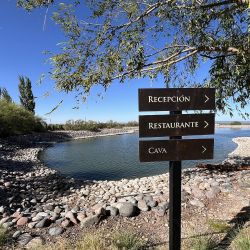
{"points": [[22, 42]]}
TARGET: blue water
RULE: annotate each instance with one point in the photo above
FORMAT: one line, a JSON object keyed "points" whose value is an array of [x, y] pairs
{"points": [[116, 157]]}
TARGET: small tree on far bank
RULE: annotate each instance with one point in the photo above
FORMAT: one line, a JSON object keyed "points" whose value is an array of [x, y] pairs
{"points": [[26, 95], [5, 95]]}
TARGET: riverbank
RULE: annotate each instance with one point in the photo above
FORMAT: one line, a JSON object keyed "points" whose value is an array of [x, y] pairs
{"points": [[36, 199]]}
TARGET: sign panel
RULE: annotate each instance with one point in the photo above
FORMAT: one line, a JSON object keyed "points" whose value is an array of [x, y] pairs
{"points": [[176, 150], [175, 99], [176, 125]]}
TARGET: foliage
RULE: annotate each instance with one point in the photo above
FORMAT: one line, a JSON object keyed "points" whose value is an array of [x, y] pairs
{"points": [[91, 242], [90, 125], [26, 96], [5, 95], [3, 236], [15, 120], [218, 225], [242, 240], [127, 241], [132, 39], [235, 123], [203, 243]]}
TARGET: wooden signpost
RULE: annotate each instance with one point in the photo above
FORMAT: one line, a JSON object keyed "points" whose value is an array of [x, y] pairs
{"points": [[176, 149]]}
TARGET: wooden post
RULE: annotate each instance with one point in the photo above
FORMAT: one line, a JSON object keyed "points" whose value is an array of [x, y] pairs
{"points": [[175, 200]]}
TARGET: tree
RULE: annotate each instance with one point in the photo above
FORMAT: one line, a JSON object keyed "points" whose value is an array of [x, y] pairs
{"points": [[147, 38], [26, 96], [4, 95]]}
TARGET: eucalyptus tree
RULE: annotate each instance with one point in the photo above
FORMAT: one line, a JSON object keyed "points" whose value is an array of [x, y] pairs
{"points": [[127, 39]]}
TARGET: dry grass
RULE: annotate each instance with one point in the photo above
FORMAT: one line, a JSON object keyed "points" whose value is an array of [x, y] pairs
{"points": [[242, 240]]}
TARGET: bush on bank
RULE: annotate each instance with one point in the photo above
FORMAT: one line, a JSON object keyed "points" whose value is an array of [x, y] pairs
{"points": [[90, 125], [15, 120]]}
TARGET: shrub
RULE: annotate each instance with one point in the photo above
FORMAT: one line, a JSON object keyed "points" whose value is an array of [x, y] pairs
{"points": [[127, 241], [218, 225], [203, 243], [3, 236], [242, 240], [235, 123], [91, 242], [15, 120]]}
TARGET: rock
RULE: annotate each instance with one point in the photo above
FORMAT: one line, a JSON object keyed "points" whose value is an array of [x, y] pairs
{"points": [[91, 220], [57, 210], [197, 193], [81, 216], [127, 209], [48, 207], [7, 184], [54, 231], [35, 243], [113, 211], [197, 203], [43, 223], [148, 198], [24, 239], [66, 223], [16, 234], [71, 217], [2, 209], [3, 220], [152, 203], [142, 205], [42, 214], [7, 225], [37, 218], [22, 221], [32, 224], [159, 211]]}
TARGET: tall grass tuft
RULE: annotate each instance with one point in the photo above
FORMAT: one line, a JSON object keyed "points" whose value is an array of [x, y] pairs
{"points": [[127, 241], [242, 240], [3, 236]]}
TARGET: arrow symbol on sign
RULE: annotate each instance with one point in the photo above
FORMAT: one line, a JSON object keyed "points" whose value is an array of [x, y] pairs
{"points": [[204, 149], [206, 124], [207, 98]]}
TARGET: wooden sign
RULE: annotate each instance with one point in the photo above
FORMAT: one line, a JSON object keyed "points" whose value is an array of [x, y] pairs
{"points": [[176, 150], [176, 125], [175, 99]]}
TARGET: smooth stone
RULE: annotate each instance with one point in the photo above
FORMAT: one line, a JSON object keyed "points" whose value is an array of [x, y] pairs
{"points": [[159, 211], [142, 205], [127, 209], [43, 223], [24, 239], [32, 224], [112, 210], [71, 217], [54, 231], [81, 216], [91, 220], [16, 234], [22, 221], [2, 209], [66, 223], [152, 203]]}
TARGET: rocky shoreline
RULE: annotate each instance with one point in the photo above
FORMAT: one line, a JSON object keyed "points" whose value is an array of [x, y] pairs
{"points": [[35, 198]]}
